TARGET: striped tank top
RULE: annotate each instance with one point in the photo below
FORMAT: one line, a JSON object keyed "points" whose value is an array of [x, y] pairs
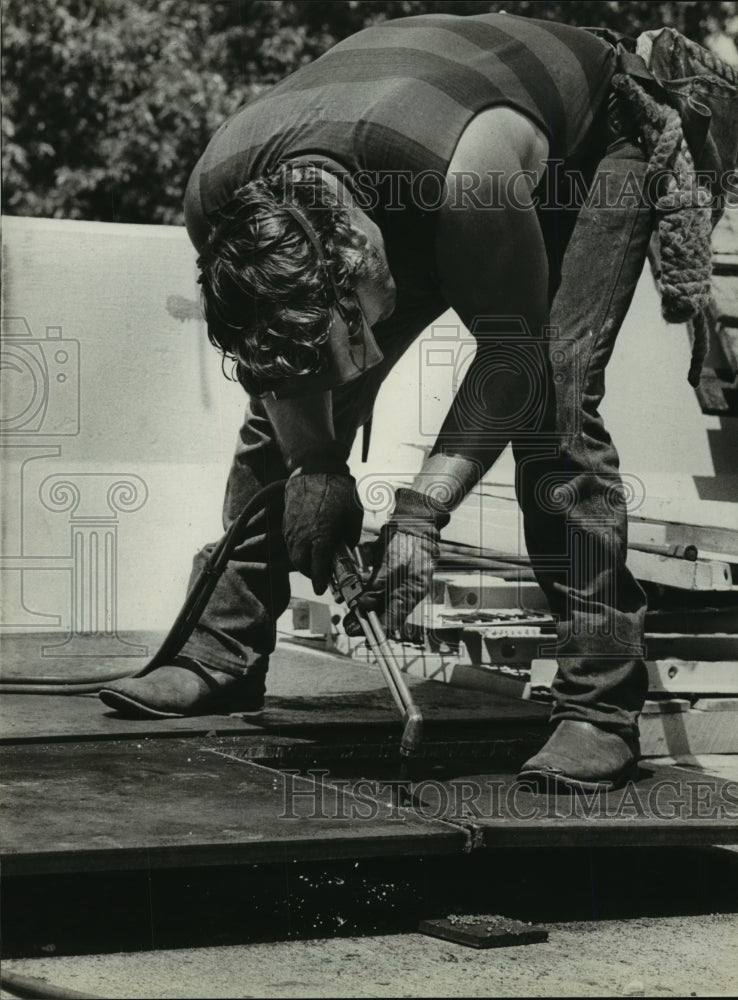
{"points": [[386, 108]]}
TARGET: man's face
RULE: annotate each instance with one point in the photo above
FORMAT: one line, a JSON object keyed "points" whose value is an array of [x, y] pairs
{"points": [[375, 289]]}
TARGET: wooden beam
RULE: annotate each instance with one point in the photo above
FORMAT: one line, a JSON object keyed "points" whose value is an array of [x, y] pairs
{"points": [[702, 620], [711, 393], [684, 574], [671, 675], [692, 732], [522, 644], [717, 704], [667, 531], [665, 706], [478, 590]]}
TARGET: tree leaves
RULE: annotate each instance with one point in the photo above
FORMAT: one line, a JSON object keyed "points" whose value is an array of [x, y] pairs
{"points": [[109, 104]]}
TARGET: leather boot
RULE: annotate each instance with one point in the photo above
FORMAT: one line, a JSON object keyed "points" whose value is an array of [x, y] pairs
{"points": [[187, 687], [580, 756]]}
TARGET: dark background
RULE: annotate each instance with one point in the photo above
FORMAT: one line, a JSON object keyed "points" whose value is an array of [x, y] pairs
{"points": [[107, 104]]}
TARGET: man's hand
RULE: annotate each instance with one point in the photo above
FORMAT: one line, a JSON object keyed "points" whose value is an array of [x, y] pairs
{"points": [[404, 558], [321, 510], [321, 505]]}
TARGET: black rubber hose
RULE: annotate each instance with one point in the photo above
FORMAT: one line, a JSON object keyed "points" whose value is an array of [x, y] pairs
{"points": [[21, 686], [29, 986]]}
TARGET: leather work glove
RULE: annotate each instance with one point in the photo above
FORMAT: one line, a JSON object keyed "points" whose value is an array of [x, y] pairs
{"points": [[321, 510], [405, 555]]}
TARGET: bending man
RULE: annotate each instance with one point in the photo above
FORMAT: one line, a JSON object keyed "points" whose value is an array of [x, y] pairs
{"points": [[420, 164]]}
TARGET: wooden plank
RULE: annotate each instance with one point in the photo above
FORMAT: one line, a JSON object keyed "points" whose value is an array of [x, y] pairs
{"points": [[665, 706], [717, 704], [522, 644], [684, 574], [664, 806], [728, 339], [672, 676], [692, 732], [724, 300], [666, 530], [704, 620], [104, 806], [686, 646], [519, 644], [693, 676], [711, 393], [480, 590]]}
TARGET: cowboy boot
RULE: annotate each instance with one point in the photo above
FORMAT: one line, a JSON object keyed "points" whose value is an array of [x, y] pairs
{"points": [[187, 687], [582, 757]]}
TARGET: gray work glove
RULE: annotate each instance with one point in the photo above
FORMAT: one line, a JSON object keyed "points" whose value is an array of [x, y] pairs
{"points": [[404, 557], [321, 510]]}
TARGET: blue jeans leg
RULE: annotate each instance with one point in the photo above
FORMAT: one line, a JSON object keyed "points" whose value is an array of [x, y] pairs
{"points": [[569, 488], [238, 623]]}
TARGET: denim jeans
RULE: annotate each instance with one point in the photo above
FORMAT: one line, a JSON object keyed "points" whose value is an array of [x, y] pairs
{"points": [[567, 482], [567, 479]]}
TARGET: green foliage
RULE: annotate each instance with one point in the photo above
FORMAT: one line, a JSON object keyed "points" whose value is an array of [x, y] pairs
{"points": [[109, 103], [106, 107]]}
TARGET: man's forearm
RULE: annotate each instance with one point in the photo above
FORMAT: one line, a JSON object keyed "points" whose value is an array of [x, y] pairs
{"points": [[447, 477], [504, 392], [304, 425]]}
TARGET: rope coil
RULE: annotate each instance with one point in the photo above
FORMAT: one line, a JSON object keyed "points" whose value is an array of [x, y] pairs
{"points": [[685, 220]]}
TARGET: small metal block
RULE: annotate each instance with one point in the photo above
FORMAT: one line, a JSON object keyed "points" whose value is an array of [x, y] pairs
{"points": [[483, 932]]}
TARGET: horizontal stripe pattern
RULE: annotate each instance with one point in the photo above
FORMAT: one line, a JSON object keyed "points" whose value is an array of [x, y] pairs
{"points": [[397, 97]]}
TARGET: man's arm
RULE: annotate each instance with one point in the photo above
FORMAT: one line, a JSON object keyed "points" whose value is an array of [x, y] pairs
{"points": [[303, 425], [492, 262], [492, 259]]}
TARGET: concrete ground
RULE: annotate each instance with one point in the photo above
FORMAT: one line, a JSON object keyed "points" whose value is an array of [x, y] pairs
{"points": [[652, 921], [671, 956], [621, 921]]}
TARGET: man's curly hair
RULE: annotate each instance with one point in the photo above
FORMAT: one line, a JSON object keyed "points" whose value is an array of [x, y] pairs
{"points": [[266, 295]]}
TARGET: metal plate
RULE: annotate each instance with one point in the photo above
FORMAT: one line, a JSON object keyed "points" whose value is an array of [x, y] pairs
{"points": [[664, 806], [159, 804], [308, 691]]}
